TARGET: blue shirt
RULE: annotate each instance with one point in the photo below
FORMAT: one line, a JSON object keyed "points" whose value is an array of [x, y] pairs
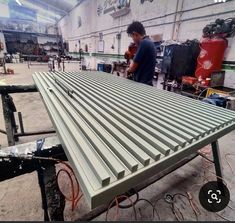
{"points": [[146, 60]]}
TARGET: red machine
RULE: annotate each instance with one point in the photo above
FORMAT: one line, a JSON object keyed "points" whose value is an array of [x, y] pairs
{"points": [[209, 60], [211, 56], [212, 49]]}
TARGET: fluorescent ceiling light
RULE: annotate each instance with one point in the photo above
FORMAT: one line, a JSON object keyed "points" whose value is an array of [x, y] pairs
{"points": [[19, 3]]}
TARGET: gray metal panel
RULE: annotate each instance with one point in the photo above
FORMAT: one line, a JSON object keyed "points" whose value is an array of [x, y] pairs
{"points": [[116, 132]]}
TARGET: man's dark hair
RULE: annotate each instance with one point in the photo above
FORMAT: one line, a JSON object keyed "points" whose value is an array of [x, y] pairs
{"points": [[136, 27]]}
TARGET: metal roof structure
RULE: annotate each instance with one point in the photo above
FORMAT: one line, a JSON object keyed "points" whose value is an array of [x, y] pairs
{"points": [[59, 7], [49, 10], [117, 132]]}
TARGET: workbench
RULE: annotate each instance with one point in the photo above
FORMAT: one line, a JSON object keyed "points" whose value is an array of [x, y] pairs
{"points": [[117, 133], [165, 129]]}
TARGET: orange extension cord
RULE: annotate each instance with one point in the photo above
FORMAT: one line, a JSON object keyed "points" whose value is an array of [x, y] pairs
{"points": [[75, 198]]}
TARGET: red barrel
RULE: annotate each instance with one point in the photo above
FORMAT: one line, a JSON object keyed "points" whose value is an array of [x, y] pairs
{"points": [[211, 56]]}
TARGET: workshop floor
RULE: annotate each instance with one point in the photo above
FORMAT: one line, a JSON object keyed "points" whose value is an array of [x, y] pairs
{"points": [[20, 197]]}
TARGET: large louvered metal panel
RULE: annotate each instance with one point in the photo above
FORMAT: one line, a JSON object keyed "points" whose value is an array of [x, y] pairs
{"points": [[117, 133]]}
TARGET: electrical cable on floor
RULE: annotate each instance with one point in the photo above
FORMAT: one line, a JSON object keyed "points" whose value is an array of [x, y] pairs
{"points": [[131, 205], [155, 203], [140, 214], [206, 164], [218, 177], [117, 207], [152, 205], [206, 169], [221, 216], [75, 198], [174, 208], [193, 206], [170, 199], [137, 200]]}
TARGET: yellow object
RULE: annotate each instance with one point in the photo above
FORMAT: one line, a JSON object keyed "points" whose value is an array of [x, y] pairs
{"points": [[211, 91]]}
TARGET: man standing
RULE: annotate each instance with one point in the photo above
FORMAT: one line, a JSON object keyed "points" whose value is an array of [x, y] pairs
{"points": [[143, 65]]}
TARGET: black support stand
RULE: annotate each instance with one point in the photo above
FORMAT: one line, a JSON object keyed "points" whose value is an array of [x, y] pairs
{"points": [[217, 163], [9, 109]]}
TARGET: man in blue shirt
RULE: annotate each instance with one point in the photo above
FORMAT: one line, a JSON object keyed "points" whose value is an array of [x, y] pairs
{"points": [[143, 66]]}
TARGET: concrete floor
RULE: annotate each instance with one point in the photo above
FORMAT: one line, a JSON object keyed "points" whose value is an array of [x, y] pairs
{"points": [[20, 197]]}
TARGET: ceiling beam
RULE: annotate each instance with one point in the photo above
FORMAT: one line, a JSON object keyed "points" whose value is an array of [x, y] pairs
{"points": [[46, 5], [79, 2]]}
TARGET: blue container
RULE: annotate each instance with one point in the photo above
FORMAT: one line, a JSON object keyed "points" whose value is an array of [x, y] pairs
{"points": [[100, 67]]}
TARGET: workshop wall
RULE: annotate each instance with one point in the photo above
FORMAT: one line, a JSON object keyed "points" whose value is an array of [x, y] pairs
{"points": [[92, 24], [158, 17]]}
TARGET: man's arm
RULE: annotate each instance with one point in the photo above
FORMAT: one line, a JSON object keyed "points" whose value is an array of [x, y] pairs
{"points": [[132, 67], [138, 58]]}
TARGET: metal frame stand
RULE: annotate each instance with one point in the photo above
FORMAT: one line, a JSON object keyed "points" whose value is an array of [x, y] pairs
{"points": [[53, 202], [8, 112], [9, 118], [4, 65], [217, 163]]}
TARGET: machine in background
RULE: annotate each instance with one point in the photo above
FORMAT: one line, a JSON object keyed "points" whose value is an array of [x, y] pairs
{"points": [[191, 68], [179, 60]]}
